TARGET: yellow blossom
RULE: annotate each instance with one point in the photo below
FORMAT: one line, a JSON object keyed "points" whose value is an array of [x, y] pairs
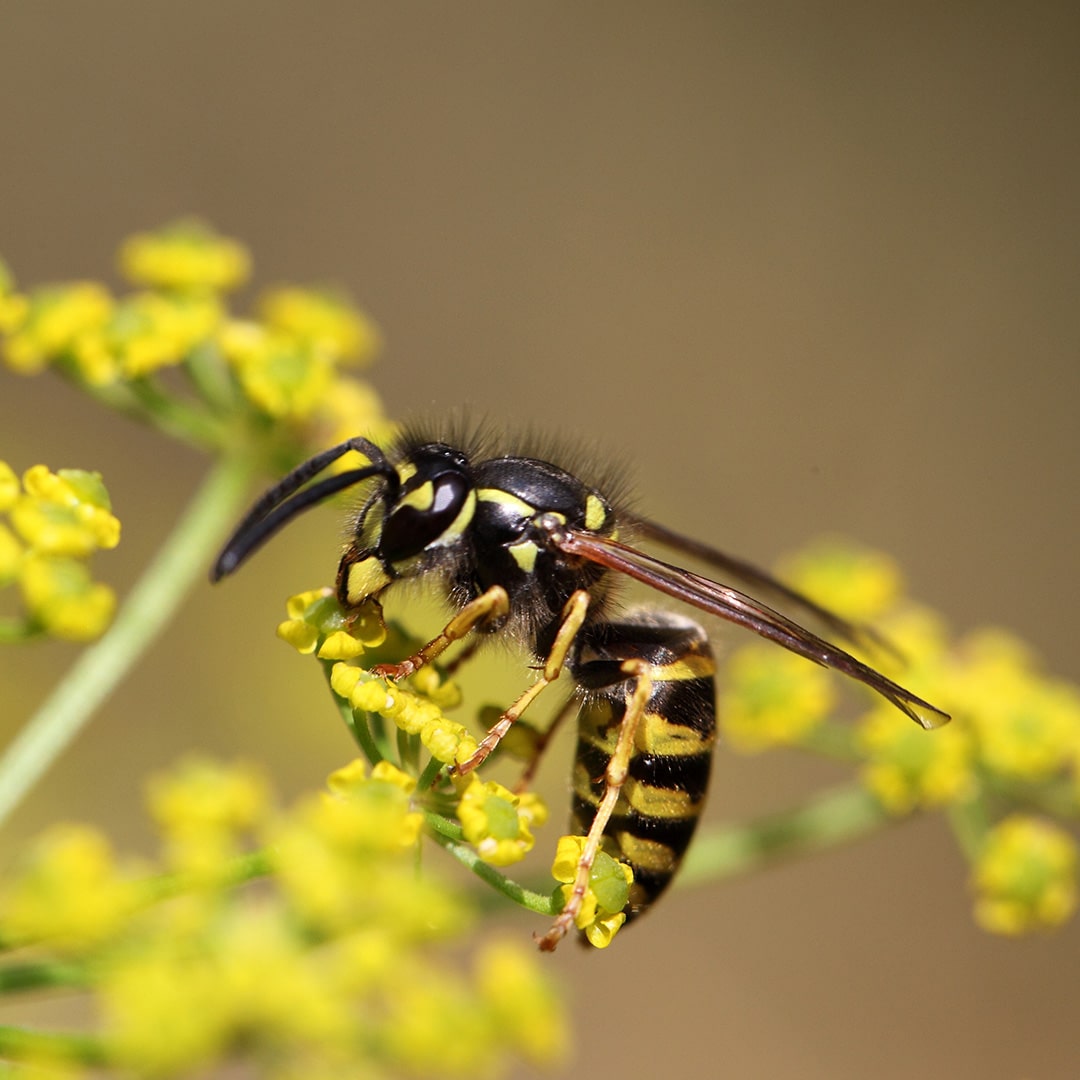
{"points": [[907, 768], [149, 331], [203, 810], [69, 892], [58, 317], [1025, 877], [527, 1012], [284, 378], [1026, 725], [60, 595], [601, 914], [165, 1011], [497, 822], [770, 697], [352, 407], [316, 616], [202, 794], [185, 256], [346, 860], [329, 321], [858, 583], [65, 513]]}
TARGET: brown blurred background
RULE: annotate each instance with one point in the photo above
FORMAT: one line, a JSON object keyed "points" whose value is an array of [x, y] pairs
{"points": [[807, 267]]}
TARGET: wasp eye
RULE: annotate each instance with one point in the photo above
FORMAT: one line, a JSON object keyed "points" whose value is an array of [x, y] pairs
{"points": [[424, 516]]}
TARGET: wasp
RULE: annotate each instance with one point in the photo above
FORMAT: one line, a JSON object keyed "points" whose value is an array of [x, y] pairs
{"points": [[524, 550]]}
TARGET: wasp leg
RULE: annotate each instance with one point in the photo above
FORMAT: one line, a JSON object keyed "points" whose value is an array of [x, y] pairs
{"points": [[573, 616], [493, 604], [614, 777]]}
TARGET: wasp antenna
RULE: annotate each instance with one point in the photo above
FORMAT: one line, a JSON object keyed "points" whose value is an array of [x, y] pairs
{"points": [[284, 500]]}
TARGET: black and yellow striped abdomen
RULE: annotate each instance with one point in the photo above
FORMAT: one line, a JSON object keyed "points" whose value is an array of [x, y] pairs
{"points": [[663, 796]]}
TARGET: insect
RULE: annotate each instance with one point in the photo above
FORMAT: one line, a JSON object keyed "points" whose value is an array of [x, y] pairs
{"points": [[525, 550]]}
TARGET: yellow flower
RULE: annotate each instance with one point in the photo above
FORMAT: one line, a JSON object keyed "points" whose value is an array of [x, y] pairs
{"points": [[60, 595], [58, 318], [1025, 877], [772, 698], [70, 891], [908, 768], [601, 914], [528, 1015], [352, 407], [497, 822], [855, 582], [149, 331], [65, 513], [346, 860], [316, 616], [164, 1008], [1026, 725], [327, 320], [185, 256], [281, 376], [203, 808], [446, 740]]}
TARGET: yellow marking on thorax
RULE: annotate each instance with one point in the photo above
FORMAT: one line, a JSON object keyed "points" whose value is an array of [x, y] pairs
{"points": [[524, 552], [497, 495]]}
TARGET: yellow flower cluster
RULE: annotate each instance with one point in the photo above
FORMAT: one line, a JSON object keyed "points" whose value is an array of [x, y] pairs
{"points": [[856, 582], [497, 822], [285, 364], [1025, 876], [54, 523], [772, 698], [601, 913], [334, 966], [1014, 739]]}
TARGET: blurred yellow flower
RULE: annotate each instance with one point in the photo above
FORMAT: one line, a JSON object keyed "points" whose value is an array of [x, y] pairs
{"points": [[186, 256], [1025, 877]]}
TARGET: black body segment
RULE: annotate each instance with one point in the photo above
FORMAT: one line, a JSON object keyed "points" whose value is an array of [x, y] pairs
{"points": [[661, 800]]}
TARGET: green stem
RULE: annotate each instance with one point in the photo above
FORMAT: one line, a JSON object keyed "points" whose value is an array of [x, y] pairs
{"points": [[21, 1043], [447, 835], [42, 975], [835, 817], [148, 608], [970, 822]]}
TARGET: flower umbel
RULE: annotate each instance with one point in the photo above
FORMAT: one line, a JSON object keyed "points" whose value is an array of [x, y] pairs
{"points": [[1026, 876], [57, 521]]}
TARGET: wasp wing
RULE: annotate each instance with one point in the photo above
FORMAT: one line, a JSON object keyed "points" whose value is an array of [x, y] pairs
{"points": [[737, 607], [754, 576]]}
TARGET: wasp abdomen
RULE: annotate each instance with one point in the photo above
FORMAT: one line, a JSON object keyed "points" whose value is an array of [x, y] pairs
{"points": [[661, 800]]}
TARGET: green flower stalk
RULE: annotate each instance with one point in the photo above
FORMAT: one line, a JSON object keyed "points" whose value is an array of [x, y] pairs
{"points": [[318, 938]]}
